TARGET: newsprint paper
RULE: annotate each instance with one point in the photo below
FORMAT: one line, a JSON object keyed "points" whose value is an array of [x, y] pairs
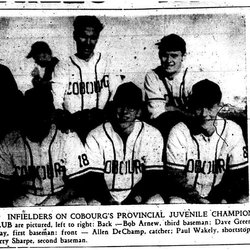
{"points": [[217, 48]]}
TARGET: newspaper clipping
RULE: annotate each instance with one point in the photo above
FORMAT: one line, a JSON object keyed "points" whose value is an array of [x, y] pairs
{"points": [[124, 125]]}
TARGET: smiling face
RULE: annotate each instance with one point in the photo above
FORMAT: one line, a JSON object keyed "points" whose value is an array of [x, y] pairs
{"points": [[171, 61], [206, 118], [86, 40]]}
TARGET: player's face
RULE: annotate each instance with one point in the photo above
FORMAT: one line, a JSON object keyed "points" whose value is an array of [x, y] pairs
{"points": [[171, 61], [38, 124], [85, 42], [42, 59], [126, 114], [206, 116]]}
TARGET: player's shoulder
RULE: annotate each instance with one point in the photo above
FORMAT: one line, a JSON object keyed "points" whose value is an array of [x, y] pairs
{"points": [[231, 127], [180, 130], [151, 74], [100, 130], [149, 129], [12, 138]]}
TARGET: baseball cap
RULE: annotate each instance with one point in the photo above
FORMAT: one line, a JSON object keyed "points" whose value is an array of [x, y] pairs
{"points": [[205, 93], [39, 99], [128, 94], [172, 42], [37, 48]]}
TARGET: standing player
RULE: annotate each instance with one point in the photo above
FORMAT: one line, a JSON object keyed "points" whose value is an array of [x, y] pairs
{"points": [[84, 86], [38, 163], [42, 55], [167, 87], [207, 157], [125, 154]]}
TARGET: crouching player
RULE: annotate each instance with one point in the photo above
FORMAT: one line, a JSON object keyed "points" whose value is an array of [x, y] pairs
{"points": [[38, 163], [125, 154], [207, 157]]}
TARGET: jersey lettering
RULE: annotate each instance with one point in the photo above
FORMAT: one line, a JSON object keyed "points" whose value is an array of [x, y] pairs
{"points": [[206, 167], [245, 153], [123, 167], [82, 88], [83, 160], [41, 172]]}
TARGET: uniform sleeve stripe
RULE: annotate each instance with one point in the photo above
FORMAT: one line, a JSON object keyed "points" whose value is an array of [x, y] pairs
{"points": [[148, 168], [85, 171], [238, 166], [153, 99], [5, 177], [175, 165]]}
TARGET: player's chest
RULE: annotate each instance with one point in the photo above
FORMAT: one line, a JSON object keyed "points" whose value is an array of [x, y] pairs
{"points": [[206, 155], [42, 161]]}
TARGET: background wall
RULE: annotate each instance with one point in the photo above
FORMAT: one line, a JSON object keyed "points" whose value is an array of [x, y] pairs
{"points": [[216, 46]]}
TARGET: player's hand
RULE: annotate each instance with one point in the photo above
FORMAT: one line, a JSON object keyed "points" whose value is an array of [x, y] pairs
{"points": [[52, 200], [171, 108], [35, 72], [138, 199], [244, 199], [94, 203], [112, 201], [177, 200], [204, 201]]}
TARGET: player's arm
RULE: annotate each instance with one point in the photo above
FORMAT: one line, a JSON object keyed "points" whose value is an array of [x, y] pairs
{"points": [[234, 186], [152, 181], [155, 99], [150, 185], [176, 179]]}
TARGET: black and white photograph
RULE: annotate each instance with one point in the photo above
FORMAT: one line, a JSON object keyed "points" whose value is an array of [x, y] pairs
{"points": [[125, 124]]}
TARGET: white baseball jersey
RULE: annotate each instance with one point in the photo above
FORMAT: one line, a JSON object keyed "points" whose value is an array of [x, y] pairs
{"points": [[159, 93], [84, 84], [123, 165], [205, 159], [41, 167]]}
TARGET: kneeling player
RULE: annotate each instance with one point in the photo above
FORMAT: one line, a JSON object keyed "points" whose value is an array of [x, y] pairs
{"points": [[38, 162], [207, 157], [125, 154]]}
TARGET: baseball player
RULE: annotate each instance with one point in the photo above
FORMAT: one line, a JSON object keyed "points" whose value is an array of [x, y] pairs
{"points": [[38, 162], [125, 154], [168, 86], [9, 101], [207, 157], [46, 63], [84, 85]]}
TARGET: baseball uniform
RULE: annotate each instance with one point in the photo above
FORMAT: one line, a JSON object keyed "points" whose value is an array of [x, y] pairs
{"points": [[204, 160], [81, 84], [123, 165], [42, 167], [160, 91]]}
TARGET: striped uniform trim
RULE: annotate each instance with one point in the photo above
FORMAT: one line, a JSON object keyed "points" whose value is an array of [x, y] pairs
{"points": [[238, 166], [175, 165], [85, 171], [149, 168]]}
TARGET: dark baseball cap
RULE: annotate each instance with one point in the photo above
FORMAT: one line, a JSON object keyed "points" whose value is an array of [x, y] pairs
{"points": [[205, 93], [172, 42], [39, 47], [128, 94]]}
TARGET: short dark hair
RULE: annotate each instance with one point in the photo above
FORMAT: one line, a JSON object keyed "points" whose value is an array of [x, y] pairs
{"points": [[172, 42], [205, 93], [81, 22]]}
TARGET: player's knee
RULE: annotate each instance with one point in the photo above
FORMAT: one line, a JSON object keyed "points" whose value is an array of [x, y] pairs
{"points": [[176, 200], [156, 199]]}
